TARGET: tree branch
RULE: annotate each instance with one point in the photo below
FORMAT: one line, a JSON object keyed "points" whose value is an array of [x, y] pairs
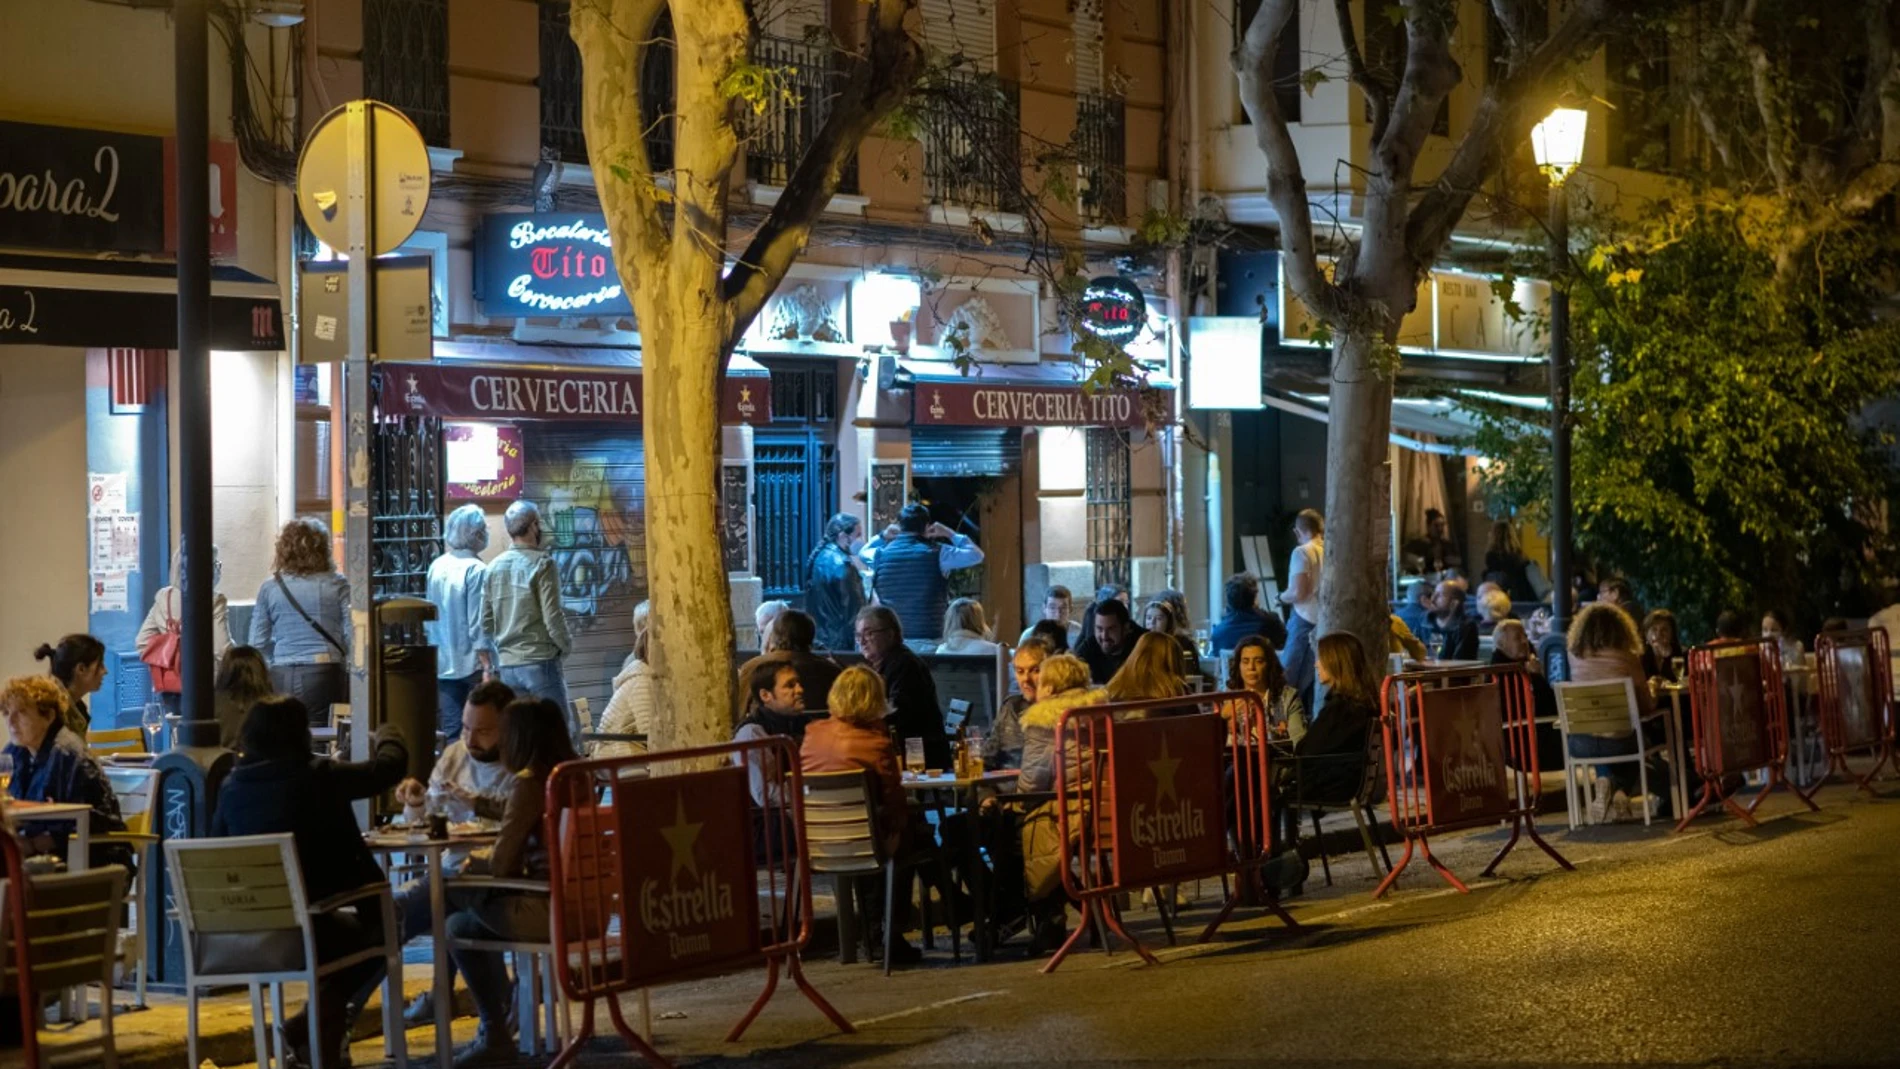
{"points": [[1775, 133], [1502, 117], [876, 85], [612, 35], [1286, 182], [1376, 93], [1430, 75]]}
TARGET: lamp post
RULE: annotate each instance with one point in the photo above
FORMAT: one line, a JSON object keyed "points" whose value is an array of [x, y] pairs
{"points": [[1558, 145]]}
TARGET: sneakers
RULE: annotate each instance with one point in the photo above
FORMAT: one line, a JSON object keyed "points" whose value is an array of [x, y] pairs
{"points": [[1602, 794], [420, 1011], [488, 1052]]}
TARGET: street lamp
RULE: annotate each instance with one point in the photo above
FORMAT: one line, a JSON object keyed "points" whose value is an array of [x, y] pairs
{"points": [[1558, 145]]}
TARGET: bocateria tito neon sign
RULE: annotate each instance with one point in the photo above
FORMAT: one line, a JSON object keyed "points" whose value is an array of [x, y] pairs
{"points": [[535, 265]]}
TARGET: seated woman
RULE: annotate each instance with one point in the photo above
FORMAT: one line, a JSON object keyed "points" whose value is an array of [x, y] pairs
{"points": [[1053, 635], [1153, 670], [78, 663], [279, 786], [243, 681], [1255, 666], [1323, 762], [630, 710], [1162, 618], [964, 628], [534, 739], [51, 764], [1035, 872], [1604, 647]]}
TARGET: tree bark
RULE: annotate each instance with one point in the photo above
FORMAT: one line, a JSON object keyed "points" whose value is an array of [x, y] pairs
{"points": [[1353, 589]]}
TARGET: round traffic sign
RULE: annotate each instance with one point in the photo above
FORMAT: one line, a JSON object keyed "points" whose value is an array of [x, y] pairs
{"points": [[398, 177]]}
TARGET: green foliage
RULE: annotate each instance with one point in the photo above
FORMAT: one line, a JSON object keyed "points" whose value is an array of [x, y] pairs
{"points": [[759, 86], [1719, 455]]}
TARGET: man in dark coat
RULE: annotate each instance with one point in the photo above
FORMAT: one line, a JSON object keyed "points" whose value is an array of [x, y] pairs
{"points": [[1244, 618], [277, 787], [834, 586], [916, 713], [1112, 639]]}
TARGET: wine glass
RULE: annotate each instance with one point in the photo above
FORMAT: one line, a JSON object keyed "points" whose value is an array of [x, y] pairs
{"points": [[6, 771], [153, 721]]}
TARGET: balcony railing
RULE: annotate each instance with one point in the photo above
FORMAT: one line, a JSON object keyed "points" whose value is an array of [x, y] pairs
{"points": [[973, 141], [1101, 143], [406, 61], [778, 138], [560, 84]]}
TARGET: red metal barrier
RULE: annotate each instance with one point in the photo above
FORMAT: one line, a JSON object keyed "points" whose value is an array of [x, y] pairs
{"points": [[1741, 723], [666, 870], [1143, 795], [1856, 701], [1460, 752]]}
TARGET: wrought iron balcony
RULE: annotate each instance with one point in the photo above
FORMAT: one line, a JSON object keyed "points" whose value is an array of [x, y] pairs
{"points": [[560, 84], [778, 138], [406, 61], [1101, 143], [972, 135]]}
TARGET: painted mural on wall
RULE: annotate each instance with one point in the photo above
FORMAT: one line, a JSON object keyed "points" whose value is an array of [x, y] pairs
{"points": [[594, 500]]}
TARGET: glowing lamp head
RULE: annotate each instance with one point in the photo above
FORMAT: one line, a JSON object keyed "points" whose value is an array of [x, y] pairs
{"points": [[1558, 142]]}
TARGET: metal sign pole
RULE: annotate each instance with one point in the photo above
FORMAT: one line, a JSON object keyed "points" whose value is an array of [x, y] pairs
{"points": [[357, 523]]}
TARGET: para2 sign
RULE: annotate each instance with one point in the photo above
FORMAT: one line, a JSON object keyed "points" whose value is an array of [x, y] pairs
{"points": [[549, 264], [1113, 309]]}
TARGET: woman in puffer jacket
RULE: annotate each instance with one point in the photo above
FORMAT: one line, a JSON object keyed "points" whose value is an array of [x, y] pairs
{"points": [[630, 710], [1064, 686]]}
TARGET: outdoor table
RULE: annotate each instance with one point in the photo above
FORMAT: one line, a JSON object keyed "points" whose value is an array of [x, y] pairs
{"points": [[963, 792], [79, 847], [386, 841]]}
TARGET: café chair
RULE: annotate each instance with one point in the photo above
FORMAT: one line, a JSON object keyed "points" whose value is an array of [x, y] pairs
{"points": [[535, 983], [842, 837], [136, 788], [244, 920], [108, 742], [1603, 709], [1366, 767], [68, 942]]}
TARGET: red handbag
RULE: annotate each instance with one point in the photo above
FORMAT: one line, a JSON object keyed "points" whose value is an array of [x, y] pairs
{"points": [[161, 656]]}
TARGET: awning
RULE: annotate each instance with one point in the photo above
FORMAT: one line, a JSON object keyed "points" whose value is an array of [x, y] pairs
{"points": [[1019, 395], [1412, 420], [502, 381], [87, 310]]}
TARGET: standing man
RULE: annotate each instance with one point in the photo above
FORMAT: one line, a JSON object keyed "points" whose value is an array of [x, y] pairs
{"points": [[521, 612], [1114, 637], [915, 711], [834, 582], [463, 655], [912, 570], [1302, 594]]}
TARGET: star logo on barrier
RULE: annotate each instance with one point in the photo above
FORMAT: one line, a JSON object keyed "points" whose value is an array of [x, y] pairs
{"points": [[1164, 768], [682, 836]]}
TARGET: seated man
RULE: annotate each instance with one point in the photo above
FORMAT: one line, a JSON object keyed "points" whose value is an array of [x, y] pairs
{"points": [[1244, 617], [1113, 639], [51, 764], [471, 782], [1003, 747], [1454, 631], [774, 705], [278, 786]]}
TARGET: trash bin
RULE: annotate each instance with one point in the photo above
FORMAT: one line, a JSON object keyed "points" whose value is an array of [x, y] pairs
{"points": [[406, 679]]}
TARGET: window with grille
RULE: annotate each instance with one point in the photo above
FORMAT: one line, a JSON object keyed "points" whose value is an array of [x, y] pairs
{"points": [[406, 61], [1110, 514], [560, 85]]}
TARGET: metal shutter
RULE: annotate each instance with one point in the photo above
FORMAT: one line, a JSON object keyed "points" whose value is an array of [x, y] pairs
{"points": [[1088, 46], [590, 482], [966, 26], [943, 451]]}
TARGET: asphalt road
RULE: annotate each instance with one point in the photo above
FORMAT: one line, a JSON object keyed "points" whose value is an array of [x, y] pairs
{"points": [[1778, 946]]}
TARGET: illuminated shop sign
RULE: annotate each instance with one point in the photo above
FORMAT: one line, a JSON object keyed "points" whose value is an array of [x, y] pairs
{"points": [[552, 264]]}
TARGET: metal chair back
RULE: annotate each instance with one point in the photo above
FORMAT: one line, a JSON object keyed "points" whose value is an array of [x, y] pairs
{"points": [[841, 822]]}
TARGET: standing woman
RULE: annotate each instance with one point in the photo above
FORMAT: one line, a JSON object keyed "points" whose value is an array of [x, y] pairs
{"points": [[463, 655], [534, 739], [1256, 667], [301, 622], [834, 582], [168, 615], [78, 664]]}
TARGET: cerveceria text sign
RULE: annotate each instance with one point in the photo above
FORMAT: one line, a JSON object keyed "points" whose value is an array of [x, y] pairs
{"points": [[549, 264]]}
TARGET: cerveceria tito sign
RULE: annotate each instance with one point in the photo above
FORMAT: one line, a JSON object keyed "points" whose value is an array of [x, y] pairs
{"points": [[553, 264]]}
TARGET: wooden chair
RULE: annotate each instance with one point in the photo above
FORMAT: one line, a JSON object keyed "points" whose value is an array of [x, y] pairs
{"points": [[67, 940], [113, 741], [1602, 709], [137, 790], [243, 919]]}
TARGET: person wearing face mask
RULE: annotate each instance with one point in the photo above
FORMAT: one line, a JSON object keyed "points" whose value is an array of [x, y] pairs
{"points": [[522, 615], [471, 782], [834, 582], [463, 656]]}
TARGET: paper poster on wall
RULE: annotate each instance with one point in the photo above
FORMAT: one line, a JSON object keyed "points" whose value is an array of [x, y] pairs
{"points": [[109, 592], [105, 493], [125, 544]]}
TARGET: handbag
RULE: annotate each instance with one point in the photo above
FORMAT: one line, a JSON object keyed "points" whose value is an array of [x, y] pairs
{"points": [[314, 625], [161, 655]]}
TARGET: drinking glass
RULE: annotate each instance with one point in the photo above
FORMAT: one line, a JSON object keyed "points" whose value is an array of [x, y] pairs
{"points": [[153, 721], [6, 771], [1203, 643], [1679, 666], [914, 756]]}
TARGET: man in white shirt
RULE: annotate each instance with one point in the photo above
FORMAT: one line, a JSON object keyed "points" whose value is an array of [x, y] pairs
{"points": [[1302, 593], [472, 783]]}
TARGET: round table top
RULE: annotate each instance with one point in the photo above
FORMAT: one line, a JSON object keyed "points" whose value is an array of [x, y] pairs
{"points": [[945, 781]]}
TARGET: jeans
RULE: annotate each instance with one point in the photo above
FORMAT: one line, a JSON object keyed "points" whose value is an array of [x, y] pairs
{"points": [[500, 917], [317, 686], [542, 679], [1624, 775], [1299, 658], [450, 696], [412, 910], [341, 993]]}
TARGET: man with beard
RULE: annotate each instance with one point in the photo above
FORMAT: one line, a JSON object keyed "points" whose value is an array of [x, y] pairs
{"points": [[471, 782]]}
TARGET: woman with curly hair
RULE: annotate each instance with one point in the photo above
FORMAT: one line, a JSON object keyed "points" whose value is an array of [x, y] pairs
{"points": [[1604, 647], [301, 622], [1255, 667]]}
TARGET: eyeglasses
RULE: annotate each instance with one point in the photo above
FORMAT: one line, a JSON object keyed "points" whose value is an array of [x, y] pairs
{"points": [[872, 632]]}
